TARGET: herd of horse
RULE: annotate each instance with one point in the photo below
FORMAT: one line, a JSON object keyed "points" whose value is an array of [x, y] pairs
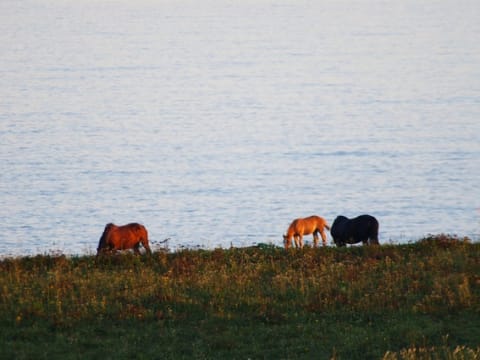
{"points": [[363, 228]]}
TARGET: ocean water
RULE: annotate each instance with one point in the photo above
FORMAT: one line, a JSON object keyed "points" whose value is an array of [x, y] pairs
{"points": [[216, 123]]}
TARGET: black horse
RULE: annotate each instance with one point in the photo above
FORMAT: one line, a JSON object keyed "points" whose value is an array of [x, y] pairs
{"points": [[363, 228]]}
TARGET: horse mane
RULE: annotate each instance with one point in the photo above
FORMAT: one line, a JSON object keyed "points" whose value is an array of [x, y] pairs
{"points": [[103, 239]]}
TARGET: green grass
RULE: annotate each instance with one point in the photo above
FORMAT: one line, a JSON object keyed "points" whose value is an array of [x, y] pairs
{"points": [[393, 301]]}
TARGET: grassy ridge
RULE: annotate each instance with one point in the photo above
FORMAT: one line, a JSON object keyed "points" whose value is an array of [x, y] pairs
{"points": [[391, 301]]}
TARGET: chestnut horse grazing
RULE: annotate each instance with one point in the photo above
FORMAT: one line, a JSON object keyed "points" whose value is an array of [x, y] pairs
{"points": [[310, 225], [123, 237]]}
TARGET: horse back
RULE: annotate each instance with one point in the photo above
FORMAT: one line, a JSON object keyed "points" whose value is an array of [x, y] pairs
{"points": [[132, 232], [318, 222], [366, 222]]}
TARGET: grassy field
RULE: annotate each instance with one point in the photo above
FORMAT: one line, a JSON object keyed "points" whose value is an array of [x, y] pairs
{"points": [[413, 301]]}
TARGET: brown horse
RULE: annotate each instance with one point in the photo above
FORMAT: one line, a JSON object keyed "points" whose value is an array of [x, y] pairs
{"points": [[310, 225], [123, 237]]}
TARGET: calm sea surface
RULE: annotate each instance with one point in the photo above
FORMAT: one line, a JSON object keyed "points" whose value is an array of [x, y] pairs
{"points": [[216, 123]]}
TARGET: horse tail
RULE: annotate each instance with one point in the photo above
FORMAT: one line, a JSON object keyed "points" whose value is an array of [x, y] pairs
{"points": [[143, 235], [145, 243], [375, 231], [326, 226]]}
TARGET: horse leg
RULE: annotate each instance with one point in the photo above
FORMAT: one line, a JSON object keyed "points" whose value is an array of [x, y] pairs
{"points": [[315, 238], [135, 248], [300, 241], [374, 237], [324, 237], [295, 238], [372, 241], [146, 246], [363, 239]]}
